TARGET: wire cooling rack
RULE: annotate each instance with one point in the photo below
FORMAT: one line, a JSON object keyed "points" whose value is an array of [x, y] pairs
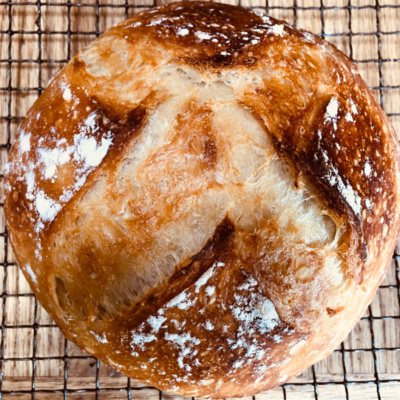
{"points": [[36, 361]]}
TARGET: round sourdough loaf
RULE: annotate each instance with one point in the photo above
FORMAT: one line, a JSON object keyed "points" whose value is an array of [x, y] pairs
{"points": [[205, 198]]}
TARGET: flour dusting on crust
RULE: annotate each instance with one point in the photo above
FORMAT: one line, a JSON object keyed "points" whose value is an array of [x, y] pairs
{"points": [[254, 315], [50, 155]]}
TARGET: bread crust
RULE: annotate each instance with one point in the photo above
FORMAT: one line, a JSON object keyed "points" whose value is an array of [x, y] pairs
{"points": [[205, 198]]}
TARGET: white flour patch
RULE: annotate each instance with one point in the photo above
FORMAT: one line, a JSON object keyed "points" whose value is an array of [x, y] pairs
{"points": [[101, 339], [349, 194], [140, 339], [29, 270], [258, 310], [349, 117], [353, 107], [368, 204], [277, 30], [24, 141], [86, 148], [46, 207], [209, 326], [67, 95], [185, 343], [203, 35], [156, 322], [87, 154], [367, 169], [157, 22], [204, 278], [277, 338], [30, 183], [183, 31], [52, 158], [90, 122], [38, 255], [207, 275], [249, 283], [181, 301], [89, 151], [332, 111], [210, 290], [255, 314]]}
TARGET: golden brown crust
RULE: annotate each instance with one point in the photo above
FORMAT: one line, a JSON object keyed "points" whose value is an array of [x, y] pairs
{"points": [[205, 198]]}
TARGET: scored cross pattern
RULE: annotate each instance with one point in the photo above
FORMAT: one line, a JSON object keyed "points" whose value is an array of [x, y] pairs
{"points": [[37, 38]]}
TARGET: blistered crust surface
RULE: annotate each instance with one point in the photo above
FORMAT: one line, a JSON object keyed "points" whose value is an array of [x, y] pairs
{"points": [[205, 198]]}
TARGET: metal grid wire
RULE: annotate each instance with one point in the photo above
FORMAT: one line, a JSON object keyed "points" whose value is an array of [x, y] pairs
{"points": [[11, 118]]}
